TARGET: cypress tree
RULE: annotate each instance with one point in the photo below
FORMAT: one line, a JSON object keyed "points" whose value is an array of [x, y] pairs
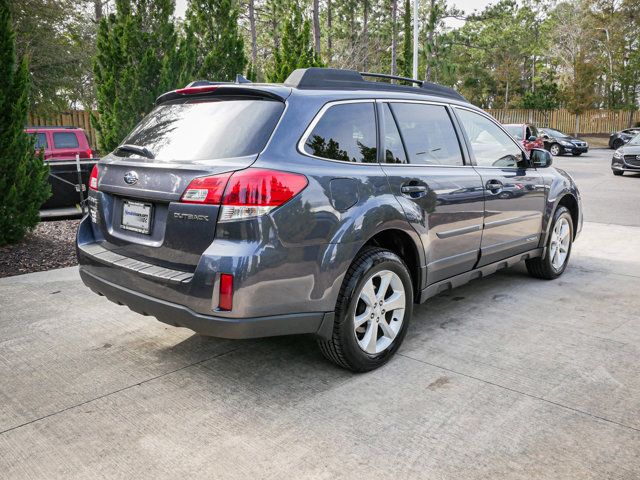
{"points": [[407, 44], [215, 39], [23, 175], [296, 50], [134, 64]]}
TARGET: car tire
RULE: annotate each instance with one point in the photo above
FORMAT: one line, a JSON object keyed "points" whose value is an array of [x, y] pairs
{"points": [[559, 243], [555, 149], [577, 154], [352, 345], [618, 173], [617, 143]]}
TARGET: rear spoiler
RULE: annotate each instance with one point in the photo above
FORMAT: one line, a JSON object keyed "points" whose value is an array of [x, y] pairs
{"points": [[241, 87]]}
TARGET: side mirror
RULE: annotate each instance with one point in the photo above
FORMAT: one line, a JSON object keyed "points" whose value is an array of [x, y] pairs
{"points": [[540, 158], [532, 138]]}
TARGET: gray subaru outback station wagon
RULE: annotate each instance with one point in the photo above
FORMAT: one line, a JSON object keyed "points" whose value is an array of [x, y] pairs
{"points": [[327, 205]]}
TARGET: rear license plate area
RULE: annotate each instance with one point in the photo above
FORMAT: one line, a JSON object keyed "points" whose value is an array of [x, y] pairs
{"points": [[136, 216]]}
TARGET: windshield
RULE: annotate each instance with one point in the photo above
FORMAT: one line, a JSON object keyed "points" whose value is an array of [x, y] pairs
{"points": [[635, 140], [554, 133], [205, 130], [515, 130]]}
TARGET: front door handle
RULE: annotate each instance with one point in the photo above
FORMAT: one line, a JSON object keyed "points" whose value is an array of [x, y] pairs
{"points": [[413, 189], [494, 185]]}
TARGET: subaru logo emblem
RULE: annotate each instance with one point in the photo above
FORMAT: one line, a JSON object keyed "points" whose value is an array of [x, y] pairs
{"points": [[131, 178], [637, 157]]}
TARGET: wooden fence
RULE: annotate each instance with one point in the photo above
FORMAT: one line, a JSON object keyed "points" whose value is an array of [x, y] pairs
{"points": [[589, 122], [74, 118]]}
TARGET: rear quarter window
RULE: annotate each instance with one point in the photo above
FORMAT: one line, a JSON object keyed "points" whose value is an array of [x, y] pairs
{"points": [[345, 132], [207, 130], [65, 140]]}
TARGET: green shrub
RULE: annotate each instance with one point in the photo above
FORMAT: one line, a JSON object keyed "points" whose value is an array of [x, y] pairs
{"points": [[23, 175]]}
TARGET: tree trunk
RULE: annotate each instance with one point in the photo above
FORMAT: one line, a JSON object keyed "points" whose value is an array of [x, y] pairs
{"points": [[394, 40], [506, 96], [97, 9], [254, 36], [329, 36], [316, 26], [431, 26]]}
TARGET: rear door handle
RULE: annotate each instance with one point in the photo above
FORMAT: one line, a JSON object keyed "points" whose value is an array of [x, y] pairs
{"points": [[494, 185], [413, 189]]}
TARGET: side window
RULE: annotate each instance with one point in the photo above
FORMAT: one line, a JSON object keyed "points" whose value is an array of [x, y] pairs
{"points": [[491, 146], [40, 140], [346, 132], [428, 134], [393, 149], [65, 140]]}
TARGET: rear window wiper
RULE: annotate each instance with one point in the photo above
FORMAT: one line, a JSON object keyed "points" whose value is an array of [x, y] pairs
{"points": [[142, 151]]}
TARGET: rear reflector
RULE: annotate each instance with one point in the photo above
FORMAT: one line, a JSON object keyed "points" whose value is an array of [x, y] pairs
{"points": [[196, 90], [226, 292], [246, 193], [93, 178]]}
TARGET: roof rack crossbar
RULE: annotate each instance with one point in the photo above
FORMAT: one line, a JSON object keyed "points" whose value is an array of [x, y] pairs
{"points": [[391, 77]]}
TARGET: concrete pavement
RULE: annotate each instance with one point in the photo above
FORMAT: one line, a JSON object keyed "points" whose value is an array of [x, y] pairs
{"points": [[507, 377]]}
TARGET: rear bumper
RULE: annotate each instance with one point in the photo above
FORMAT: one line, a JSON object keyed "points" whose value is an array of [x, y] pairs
{"points": [[319, 323], [574, 149]]}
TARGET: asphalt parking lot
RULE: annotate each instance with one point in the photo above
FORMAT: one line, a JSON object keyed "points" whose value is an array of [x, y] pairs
{"points": [[507, 377]]}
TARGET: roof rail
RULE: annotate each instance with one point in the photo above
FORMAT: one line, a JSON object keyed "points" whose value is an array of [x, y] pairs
{"points": [[392, 77], [336, 79]]}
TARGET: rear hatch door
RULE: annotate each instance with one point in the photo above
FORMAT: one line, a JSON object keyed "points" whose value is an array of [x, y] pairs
{"points": [[138, 203]]}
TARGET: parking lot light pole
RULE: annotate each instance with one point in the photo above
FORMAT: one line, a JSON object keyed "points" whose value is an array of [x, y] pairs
{"points": [[415, 39]]}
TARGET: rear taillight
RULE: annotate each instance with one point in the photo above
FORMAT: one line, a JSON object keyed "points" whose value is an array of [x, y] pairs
{"points": [[255, 192], [247, 193], [206, 189], [93, 178], [88, 153]]}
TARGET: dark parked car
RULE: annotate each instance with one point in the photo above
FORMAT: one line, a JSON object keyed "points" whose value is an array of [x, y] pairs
{"points": [[525, 133], [326, 205], [618, 139], [559, 143], [627, 157]]}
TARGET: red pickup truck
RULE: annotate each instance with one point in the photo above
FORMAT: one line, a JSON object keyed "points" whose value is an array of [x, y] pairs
{"points": [[61, 145]]}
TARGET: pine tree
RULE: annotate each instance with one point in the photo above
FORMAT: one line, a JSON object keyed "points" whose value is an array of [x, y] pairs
{"points": [[218, 44], [296, 49], [407, 39], [23, 175], [134, 64]]}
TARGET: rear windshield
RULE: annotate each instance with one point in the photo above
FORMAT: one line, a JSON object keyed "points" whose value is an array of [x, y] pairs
{"points": [[206, 130], [515, 130]]}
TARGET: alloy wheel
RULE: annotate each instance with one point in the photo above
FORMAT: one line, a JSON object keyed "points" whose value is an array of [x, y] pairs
{"points": [[560, 243], [379, 312], [555, 150]]}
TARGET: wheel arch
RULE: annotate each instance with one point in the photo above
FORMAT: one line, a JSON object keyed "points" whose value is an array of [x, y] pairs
{"points": [[406, 247]]}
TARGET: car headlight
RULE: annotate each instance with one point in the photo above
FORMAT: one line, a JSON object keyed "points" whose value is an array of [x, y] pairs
{"points": [[564, 143], [618, 154]]}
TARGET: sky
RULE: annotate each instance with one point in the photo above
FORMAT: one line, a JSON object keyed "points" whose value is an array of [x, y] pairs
{"points": [[467, 5]]}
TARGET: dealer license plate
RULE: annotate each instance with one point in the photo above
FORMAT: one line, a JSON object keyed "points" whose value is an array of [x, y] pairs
{"points": [[136, 216]]}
